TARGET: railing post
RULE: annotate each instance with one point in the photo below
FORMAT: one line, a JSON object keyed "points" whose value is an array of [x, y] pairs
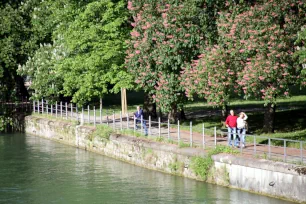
{"points": [[120, 120], [42, 106], [203, 135], [159, 133], [269, 148], [127, 121], [301, 151], [149, 124], [77, 112], [51, 109], [82, 119], [88, 114], [141, 122], [56, 109], [191, 134], [178, 132], [38, 107], [47, 107], [101, 113], [61, 107], [107, 118], [168, 129], [94, 108], [66, 107], [215, 136], [134, 125], [33, 106], [285, 151], [254, 145], [71, 110], [114, 125]]}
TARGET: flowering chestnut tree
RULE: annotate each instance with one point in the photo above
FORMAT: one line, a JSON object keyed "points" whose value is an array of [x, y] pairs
{"points": [[165, 38], [256, 45]]}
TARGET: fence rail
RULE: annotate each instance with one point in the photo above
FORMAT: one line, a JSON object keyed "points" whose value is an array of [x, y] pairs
{"points": [[174, 133]]}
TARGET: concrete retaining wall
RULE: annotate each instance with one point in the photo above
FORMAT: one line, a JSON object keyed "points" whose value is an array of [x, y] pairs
{"points": [[260, 176]]}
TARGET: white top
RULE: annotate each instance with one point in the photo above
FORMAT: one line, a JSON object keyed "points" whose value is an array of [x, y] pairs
{"points": [[241, 121]]}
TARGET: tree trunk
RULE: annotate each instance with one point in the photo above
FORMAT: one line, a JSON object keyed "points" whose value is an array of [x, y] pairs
{"points": [[172, 115], [268, 126], [149, 106], [123, 101], [224, 112], [181, 115]]}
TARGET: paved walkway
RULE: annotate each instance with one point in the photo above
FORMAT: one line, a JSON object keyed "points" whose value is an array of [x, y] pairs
{"points": [[277, 153]]}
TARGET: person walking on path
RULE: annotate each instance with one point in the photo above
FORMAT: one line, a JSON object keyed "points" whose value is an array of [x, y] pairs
{"points": [[231, 124], [139, 117], [241, 128]]}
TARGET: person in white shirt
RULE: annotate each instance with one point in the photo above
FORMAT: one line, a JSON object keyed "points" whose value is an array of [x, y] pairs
{"points": [[241, 127]]}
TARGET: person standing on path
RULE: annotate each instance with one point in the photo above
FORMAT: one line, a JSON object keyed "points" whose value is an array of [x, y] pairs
{"points": [[241, 128], [139, 116], [231, 124]]}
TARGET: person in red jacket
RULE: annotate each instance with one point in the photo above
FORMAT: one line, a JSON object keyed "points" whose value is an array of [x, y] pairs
{"points": [[231, 124]]}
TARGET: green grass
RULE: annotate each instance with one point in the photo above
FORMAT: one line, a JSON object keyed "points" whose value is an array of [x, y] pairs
{"points": [[290, 119]]}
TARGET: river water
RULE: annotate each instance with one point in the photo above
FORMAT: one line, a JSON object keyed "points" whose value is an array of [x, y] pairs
{"points": [[35, 170]]}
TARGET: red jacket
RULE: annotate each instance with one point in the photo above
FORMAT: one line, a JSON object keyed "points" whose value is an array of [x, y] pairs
{"points": [[231, 121]]}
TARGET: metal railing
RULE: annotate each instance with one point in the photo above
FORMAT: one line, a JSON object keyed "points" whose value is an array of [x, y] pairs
{"points": [[259, 146]]}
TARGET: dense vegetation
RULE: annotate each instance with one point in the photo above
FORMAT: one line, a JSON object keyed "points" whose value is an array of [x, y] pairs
{"points": [[175, 51]]}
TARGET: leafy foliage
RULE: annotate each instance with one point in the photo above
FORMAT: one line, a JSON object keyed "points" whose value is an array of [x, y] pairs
{"points": [[165, 38], [86, 55], [254, 54], [202, 165]]}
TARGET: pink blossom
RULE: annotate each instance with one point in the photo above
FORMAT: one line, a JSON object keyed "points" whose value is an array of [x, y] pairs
{"points": [[130, 5]]}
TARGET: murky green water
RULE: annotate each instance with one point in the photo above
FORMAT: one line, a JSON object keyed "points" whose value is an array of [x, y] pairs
{"points": [[35, 170]]}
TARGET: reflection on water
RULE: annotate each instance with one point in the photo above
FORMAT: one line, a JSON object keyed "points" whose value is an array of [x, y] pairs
{"points": [[35, 170]]}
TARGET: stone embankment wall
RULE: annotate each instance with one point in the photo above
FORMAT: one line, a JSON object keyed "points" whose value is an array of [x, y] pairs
{"points": [[275, 179]]}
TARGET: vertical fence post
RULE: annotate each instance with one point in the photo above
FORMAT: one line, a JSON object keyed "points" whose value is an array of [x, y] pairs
{"points": [[66, 107], [76, 111], [34, 106], [178, 132], [42, 106], [56, 109], [254, 144], [285, 153], [71, 110], [120, 120], [127, 121], [61, 107], [269, 148], [141, 123], [191, 134], [107, 118], [168, 129], [47, 107], [159, 133], [114, 125], [101, 113], [203, 135], [301, 151], [38, 107], [134, 125], [94, 108], [51, 109], [215, 136], [149, 124], [88, 114], [82, 116]]}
